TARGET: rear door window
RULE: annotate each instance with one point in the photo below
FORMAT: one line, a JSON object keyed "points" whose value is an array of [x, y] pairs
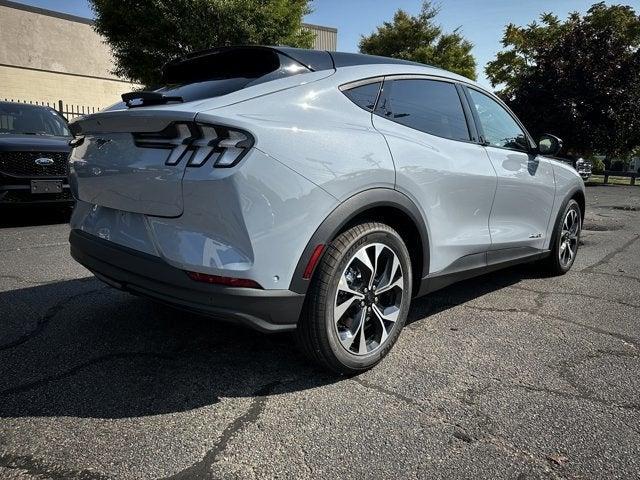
{"points": [[430, 106]]}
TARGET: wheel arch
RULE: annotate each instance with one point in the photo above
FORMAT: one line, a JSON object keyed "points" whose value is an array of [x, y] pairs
{"points": [[382, 204], [576, 194]]}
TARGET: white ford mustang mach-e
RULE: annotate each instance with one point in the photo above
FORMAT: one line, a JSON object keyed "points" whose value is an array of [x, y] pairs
{"points": [[317, 191]]}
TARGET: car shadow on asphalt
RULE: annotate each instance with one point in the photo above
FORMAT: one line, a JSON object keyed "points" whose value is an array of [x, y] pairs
{"points": [[81, 349], [468, 290]]}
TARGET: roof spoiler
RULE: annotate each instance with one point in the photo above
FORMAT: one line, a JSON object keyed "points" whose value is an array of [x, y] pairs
{"points": [[244, 57]]}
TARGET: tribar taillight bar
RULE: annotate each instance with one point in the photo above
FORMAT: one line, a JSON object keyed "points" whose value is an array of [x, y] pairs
{"points": [[199, 142]]}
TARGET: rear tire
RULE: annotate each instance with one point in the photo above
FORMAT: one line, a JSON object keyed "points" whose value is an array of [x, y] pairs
{"points": [[358, 299], [565, 240]]}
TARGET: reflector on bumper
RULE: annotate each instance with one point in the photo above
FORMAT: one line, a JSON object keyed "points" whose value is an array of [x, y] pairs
{"points": [[226, 281]]}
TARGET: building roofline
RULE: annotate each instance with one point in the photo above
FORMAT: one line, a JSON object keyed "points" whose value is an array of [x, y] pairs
{"points": [[320, 27], [44, 11], [88, 21]]}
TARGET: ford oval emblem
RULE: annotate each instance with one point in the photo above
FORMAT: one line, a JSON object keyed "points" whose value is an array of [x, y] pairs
{"points": [[43, 161]]}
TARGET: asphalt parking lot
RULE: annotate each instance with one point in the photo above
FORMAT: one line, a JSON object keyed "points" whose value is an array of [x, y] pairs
{"points": [[510, 375]]}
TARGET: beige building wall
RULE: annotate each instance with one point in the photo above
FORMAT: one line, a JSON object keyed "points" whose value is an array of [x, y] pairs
{"points": [[38, 86], [48, 56]]}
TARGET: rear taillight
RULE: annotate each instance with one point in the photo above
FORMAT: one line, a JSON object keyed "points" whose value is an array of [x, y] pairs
{"points": [[199, 143]]}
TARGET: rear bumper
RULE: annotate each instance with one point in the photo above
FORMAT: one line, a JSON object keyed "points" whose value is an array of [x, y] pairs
{"points": [[149, 276]]}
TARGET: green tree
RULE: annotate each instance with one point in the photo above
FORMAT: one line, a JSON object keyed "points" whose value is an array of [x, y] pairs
{"points": [[419, 39], [579, 79], [145, 34]]}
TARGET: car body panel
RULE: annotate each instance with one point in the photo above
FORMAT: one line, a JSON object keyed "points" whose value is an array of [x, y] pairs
{"points": [[128, 229], [110, 171], [523, 201], [452, 182], [582, 166], [328, 139], [568, 183], [232, 220]]}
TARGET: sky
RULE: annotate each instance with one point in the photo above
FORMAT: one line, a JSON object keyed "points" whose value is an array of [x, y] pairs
{"points": [[481, 21]]}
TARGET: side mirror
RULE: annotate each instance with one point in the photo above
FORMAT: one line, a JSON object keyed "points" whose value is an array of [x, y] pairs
{"points": [[549, 145]]}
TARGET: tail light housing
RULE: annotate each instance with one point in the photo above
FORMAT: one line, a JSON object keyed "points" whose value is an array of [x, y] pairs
{"points": [[198, 144]]}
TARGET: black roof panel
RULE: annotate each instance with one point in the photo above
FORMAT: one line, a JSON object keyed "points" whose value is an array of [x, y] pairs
{"points": [[344, 59]]}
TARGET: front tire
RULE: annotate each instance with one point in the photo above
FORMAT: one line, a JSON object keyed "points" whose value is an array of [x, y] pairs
{"points": [[566, 239], [358, 299]]}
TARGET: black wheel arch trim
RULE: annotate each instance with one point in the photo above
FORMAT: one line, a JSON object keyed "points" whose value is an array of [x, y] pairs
{"points": [[568, 197], [350, 209]]}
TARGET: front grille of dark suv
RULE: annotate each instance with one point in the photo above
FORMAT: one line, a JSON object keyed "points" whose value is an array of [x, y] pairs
{"points": [[23, 164]]}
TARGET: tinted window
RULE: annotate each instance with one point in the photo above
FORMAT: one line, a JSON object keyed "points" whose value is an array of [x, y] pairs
{"points": [[364, 96], [500, 129], [427, 105], [206, 89], [31, 120], [226, 71]]}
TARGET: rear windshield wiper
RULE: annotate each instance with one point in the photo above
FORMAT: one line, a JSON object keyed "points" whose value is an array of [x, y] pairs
{"points": [[145, 98]]}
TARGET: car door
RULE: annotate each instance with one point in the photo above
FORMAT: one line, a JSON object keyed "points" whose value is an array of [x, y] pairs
{"points": [[440, 166], [526, 186]]}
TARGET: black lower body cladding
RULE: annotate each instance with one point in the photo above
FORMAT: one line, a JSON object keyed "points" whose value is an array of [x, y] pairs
{"points": [[149, 276]]}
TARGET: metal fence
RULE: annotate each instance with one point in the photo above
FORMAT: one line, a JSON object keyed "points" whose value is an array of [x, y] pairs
{"points": [[68, 110]]}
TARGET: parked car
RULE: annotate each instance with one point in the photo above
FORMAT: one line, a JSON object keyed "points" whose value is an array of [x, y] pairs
{"points": [[34, 155], [314, 191], [582, 166]]}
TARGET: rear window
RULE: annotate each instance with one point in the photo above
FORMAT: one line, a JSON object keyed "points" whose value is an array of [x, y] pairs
{"points": [[226, 71]]}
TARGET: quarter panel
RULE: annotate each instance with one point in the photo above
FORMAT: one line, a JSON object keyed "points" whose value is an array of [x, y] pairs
{"points": [[317, 131], [252, 221]]}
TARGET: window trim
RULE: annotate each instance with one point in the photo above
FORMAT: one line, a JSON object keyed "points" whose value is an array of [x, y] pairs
{"points": [[476, 117], [359, 83], [463, 88], [387, 88], [468, 113]]}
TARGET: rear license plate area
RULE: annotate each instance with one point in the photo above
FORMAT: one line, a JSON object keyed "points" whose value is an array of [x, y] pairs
{"points": [[46, 186]]}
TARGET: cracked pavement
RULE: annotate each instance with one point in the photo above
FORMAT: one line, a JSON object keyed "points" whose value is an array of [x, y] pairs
{"points": [[510, 375]]}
